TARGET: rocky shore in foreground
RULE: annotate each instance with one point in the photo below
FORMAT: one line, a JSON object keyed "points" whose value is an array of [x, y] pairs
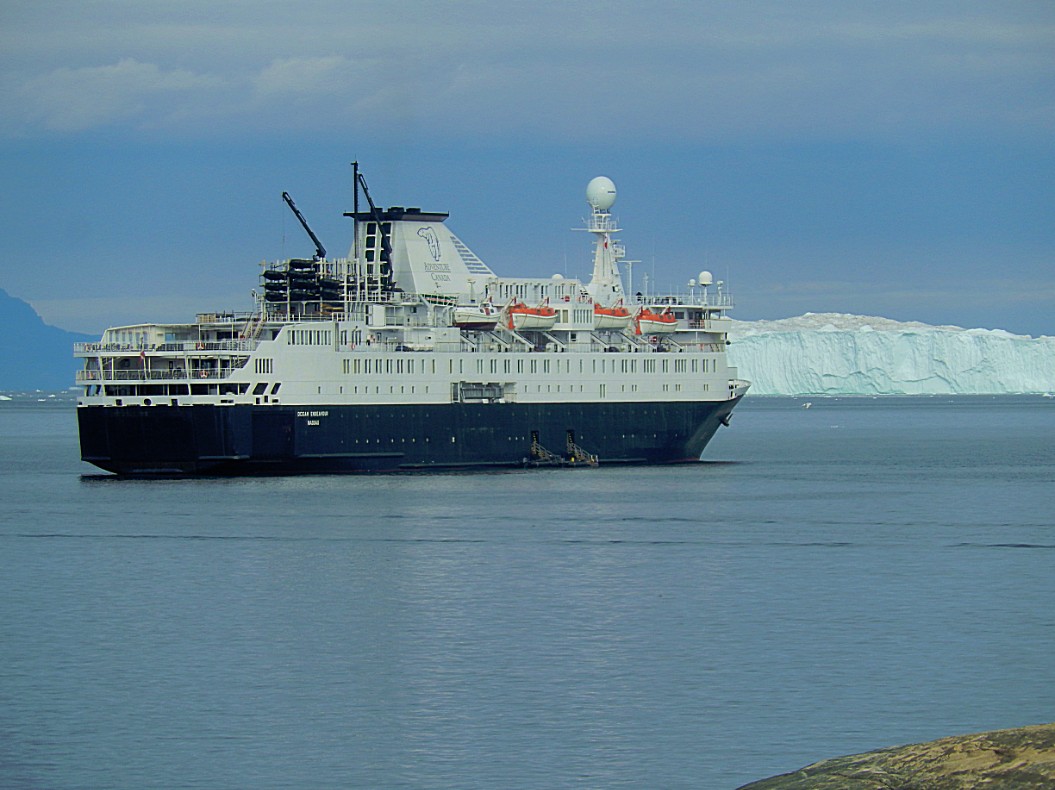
{"points": [[1017, 759]]}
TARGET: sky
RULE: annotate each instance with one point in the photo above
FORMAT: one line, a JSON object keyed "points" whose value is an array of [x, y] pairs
{"points": [[880, 158]]}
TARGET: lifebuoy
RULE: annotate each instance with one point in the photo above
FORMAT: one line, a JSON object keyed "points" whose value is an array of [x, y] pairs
{"points": [[653, 340], [205, 374], [200, 347]]}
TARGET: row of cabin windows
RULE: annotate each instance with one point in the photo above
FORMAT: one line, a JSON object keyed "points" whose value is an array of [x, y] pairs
{"points": [[309, 337], [410, 389], [404, 389], [402, 365], [597, 366], [603, 366], [539, 388], [409, 365]]}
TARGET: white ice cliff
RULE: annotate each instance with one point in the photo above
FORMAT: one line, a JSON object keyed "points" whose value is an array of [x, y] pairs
{"points": [[837, 354]]}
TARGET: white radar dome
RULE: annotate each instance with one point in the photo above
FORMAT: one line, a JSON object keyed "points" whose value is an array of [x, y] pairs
{"points": [[706, 278], [600, 193]]}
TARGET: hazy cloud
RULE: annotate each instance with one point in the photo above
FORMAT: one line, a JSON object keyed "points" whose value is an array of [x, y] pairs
{"points": [[561, 70], [72, 100], [299, 77]]}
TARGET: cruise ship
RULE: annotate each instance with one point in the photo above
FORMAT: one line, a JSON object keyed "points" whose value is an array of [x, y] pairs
{"points": [[411, 354]]}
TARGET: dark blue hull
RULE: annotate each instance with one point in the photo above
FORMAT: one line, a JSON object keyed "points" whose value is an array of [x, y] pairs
{"points": [[244, 439]]}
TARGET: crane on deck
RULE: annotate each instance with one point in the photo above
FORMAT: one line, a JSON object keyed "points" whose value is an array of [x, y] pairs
{"points": [[320, 251]]}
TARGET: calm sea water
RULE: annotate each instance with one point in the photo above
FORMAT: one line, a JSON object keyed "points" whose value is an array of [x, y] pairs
{"points": [[854, 575]]}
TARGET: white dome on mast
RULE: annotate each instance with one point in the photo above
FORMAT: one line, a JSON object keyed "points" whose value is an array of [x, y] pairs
{"points": [[600, 193]]}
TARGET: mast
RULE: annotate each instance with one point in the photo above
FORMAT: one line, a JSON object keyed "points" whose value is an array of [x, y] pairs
{"points": [[385, 263], [355, 208], [606, 285]]}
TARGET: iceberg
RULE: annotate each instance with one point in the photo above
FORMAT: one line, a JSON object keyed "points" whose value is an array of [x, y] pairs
{"points": [[839, 354]]}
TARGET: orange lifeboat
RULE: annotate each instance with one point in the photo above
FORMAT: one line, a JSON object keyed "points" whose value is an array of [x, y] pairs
{"points": [[617, 317], [522, 317], [650, 322]]}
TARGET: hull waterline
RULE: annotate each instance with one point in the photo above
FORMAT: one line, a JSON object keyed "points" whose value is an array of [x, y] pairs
{"points": [[167, 440]]}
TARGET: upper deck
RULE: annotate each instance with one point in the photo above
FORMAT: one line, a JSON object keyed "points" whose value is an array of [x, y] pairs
{"points": [[409, 285]]}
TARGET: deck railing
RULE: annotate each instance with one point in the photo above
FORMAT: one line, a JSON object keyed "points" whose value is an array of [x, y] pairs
{"points": [[86, 376], [183, 347]]}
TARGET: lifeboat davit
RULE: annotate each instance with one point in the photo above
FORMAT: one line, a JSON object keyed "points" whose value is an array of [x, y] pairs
{"points": [[522, 317], [650, 322], [617, 317]]}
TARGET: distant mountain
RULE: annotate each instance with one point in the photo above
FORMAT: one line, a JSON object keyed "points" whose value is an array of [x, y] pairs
{"points": [[33, 355]]}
